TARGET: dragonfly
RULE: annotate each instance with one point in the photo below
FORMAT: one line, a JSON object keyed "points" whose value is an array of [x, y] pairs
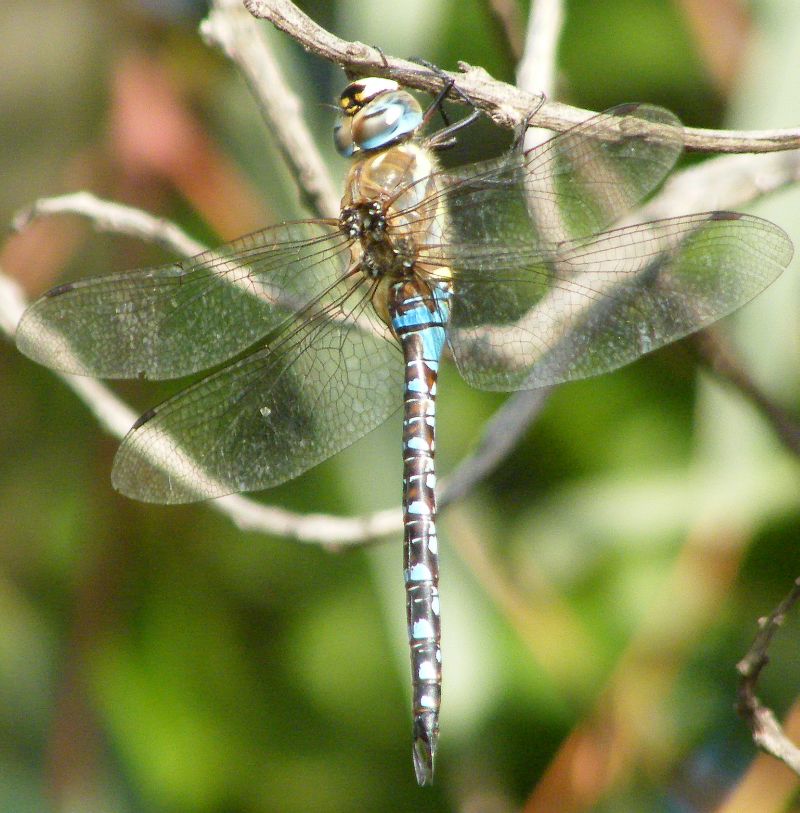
{"points": [[522, 268]]}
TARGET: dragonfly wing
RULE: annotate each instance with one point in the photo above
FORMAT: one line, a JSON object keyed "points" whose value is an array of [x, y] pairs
{"points": [[598, 304], [318, 387], [576, 184], [175, 319]]}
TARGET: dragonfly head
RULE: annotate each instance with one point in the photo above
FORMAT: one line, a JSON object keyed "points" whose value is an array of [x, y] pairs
{"points": [[375, 114]]}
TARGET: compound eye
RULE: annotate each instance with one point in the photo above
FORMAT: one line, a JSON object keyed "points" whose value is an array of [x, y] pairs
{"points": [[387, 119], [343, 137], [377, 123]]}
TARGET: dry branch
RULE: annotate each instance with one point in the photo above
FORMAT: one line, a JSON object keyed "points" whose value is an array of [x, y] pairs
{"points": [[504, 104], [767, 732]]}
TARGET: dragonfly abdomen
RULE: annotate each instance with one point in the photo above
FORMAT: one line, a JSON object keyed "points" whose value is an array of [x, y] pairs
{"points": [[419, 315]]}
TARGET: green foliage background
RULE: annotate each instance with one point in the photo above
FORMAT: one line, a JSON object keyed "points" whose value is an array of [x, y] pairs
{"points": [[159, 659]]}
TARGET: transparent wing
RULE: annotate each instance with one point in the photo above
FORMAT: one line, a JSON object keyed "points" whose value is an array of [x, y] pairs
{"points": [[322, 384], [574, 185], [523, 318], [175, 319]]}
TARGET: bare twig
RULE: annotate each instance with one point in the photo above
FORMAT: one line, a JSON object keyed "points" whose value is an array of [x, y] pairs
{"points": [[536, 72], [12, 304], [715, 351], [731, 181], [506, 105], [108, 216], [724, 182], [500, 436], [767, 732], [330, 531], [231, 28], [767, 786]]}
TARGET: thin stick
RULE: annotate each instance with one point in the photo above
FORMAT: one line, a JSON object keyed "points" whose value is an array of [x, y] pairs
{"points": [[504, 104], [767, 732], [116, 218], [716, 352], [536, 72], [231, 28]]}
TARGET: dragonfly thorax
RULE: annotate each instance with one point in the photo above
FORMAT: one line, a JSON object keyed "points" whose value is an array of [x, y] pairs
{"points": [[391, 210], [380, 251], [365, 221]]}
